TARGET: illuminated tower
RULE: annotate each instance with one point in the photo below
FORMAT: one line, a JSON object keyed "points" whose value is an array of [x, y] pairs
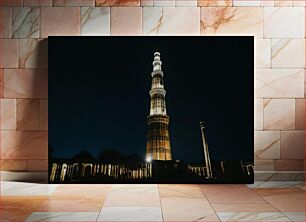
{"points": [[206, 152], [158, 141]]}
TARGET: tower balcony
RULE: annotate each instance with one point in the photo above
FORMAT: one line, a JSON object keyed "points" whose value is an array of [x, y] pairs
{"points": [[157, 91]]}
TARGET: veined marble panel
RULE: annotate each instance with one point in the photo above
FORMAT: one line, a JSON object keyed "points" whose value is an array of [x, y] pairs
{"points": [[5, 22], [24, 144], [37, 165], [13, 165], [37, 2], [163, 3], [73, 2], [8, 53], [284, 22], [95, 21], [212, 3], [258, 117], [33, 53], [263, 207], [279, 175], [253, 216], [292, 145], [27, 114], [43, 115], [260, 165], [288, 53], [63, 216], [283, 3], [279, 83], [299, 3], [119, 18], [186, 3], [171, 21], [232, 21], [267, 3], [51, 17], [263, 53], [130, 214], [267, 145], [300, 114], [279, 114], [246, 3], [8, 114], [25, 23], [123, 3], [5, 3], [289, 165], [146, 2], [25, 83]]}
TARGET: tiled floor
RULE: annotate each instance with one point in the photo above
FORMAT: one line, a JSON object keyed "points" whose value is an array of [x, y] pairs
{"points": [[263, 201]]}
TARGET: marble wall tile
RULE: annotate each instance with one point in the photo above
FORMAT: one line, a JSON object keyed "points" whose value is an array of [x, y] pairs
{"points": [[299, 3], [119, 16], [33, 53], [52, 16], [8, 53], [263, 53], [292, 144], [296, 216], [13, 165], [171, 21], [267, 3], [25, 83], [146, 2], [232, 20], [73, 2], [258, 117], [300, 114], [5, 22], [1, 83], [187, 209], [91, 191], [186, 3], [43, 117], [17, 188], [5, 3], [27, 114], [289, 165], [305, 82], [264, 165], [267, 145], [163, 3], [212, 3], [130, 214], [24, 144], [249, 3], [278, 22], [37, 2], [95, 21], [118, 2], [284, 3], [288, 53], [37, 165], [25, 22], [279, 114], [279, 83], [8, 114]]}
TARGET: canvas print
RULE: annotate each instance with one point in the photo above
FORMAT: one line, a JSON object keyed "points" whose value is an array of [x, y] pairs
{"points": [[151, 109]]}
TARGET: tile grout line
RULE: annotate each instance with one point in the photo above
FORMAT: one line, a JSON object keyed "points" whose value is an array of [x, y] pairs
{"points": [[161, 209]]}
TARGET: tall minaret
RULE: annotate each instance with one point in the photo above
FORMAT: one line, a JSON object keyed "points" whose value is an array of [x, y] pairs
{"points": [[206, 152], [158, 141]]}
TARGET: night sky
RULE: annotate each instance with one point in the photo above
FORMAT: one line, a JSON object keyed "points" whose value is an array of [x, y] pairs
{"points": [[99, 94]]}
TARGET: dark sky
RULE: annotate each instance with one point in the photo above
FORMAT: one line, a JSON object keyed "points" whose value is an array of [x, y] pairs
{"points": [[99, 94]]}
